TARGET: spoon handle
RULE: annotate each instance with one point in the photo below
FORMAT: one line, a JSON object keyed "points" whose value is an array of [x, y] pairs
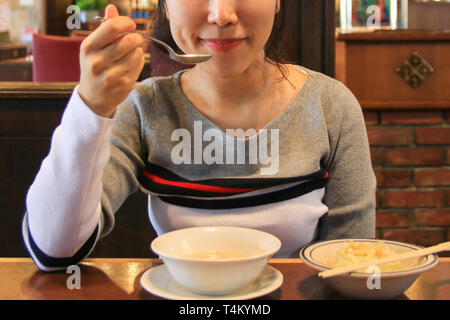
{"points": [[150, 38], [412, 254]]}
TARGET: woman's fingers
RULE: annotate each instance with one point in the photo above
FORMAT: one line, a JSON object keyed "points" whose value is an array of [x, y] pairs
{"points": [[122, 46], [107, 33], [111, 11], [130, 65], [110, 63]]}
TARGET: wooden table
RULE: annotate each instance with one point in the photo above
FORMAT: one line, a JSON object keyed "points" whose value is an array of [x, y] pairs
{"points": [[118, 279]]}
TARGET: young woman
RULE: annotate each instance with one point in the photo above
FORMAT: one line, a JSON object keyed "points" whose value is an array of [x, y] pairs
{"points": [[299, 168]]}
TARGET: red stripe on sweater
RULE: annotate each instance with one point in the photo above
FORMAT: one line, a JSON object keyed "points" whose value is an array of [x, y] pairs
{"points": [[194, 186]]}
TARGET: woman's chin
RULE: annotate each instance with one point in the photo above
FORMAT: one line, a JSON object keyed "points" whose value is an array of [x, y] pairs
{"points": [[224, 69]]}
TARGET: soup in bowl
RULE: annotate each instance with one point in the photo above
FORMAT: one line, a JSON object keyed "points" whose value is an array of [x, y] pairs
{"points": [[215, 260]]}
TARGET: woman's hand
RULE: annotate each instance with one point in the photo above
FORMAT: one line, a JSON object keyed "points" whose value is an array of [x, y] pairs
{"points": [[110, 64]]}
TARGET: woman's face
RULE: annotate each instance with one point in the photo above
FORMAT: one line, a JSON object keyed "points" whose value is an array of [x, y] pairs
{"points": [[233, 31]]}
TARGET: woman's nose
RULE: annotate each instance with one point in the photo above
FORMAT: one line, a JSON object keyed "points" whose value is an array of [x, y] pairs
{"points": [[222, 12]]}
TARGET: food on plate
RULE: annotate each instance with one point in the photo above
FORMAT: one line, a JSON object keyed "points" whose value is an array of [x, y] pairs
{"points": [[358, 252]]}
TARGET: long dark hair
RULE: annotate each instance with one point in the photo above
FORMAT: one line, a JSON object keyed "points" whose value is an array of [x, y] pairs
{"points": [[277, 49]]}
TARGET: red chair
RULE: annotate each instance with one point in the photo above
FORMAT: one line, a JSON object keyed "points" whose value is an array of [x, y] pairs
{"points": [[56, 58]]}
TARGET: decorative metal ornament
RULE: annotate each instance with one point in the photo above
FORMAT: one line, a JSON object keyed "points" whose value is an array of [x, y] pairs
{"points": [[415, 70]]}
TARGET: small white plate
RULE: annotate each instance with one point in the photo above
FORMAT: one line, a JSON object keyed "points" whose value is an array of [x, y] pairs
{"points": [[159, 282]]}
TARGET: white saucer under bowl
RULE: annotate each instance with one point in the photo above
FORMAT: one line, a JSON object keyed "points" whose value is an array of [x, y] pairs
{"points": [[159, 282]]}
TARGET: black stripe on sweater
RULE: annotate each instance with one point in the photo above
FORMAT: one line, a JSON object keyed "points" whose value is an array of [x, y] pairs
{"points": [[52, 262], [243, 202]]}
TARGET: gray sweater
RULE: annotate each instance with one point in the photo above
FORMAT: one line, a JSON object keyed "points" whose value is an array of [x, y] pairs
{"points": [[305, 176]]}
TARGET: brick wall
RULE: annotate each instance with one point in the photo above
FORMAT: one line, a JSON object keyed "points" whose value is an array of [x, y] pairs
{"points": [[411, 158]]}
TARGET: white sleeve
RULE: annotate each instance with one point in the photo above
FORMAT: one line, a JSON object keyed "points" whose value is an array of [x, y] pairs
{"points": [[64, 217]]}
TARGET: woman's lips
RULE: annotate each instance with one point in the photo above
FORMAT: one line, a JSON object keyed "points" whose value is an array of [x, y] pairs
{"points": [[222, 44]]}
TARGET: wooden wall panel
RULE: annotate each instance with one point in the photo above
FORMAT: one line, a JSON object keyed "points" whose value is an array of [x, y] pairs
{"points": [[367, 64], [374, 75], [313, 23], [56, 16]]}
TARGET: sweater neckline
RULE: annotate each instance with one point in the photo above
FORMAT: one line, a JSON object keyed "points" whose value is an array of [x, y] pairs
{"points": [[272, 123]]}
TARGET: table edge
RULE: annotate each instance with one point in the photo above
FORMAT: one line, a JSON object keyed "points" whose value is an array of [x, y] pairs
{"points": [[154, 260]]}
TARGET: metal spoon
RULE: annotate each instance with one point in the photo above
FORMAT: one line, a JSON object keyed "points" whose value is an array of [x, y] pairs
{"points": [[190, 58]]}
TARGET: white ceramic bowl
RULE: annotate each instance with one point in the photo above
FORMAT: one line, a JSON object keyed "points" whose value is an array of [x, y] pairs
{"points": [[321, 255], [221, 276]]}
